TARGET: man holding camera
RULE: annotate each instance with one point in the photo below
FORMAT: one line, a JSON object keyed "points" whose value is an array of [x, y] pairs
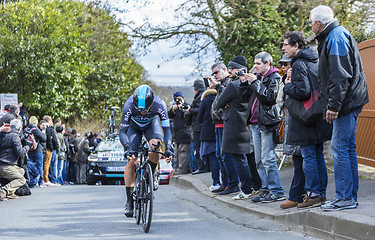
{"points": [[181, 133], [236, 137], [12, 154]]}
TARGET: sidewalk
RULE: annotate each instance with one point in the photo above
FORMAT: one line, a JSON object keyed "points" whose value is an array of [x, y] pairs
{"points": [[356, 223]]}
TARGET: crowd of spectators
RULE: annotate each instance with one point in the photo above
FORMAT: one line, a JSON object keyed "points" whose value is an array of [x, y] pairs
{"points": [[237, 113], [40, 153]]}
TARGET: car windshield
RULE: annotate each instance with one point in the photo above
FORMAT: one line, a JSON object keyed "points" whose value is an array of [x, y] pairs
{"points": [[109, 144]]}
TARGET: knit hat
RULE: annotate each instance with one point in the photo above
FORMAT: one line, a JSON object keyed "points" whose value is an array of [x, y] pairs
{"points": [[238, 62], [33, 120], [177, 94], [198, 84], [285, 59]]}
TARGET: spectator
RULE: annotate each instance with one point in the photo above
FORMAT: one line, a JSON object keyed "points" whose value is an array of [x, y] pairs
{"points": [[11, 151], [265, 117], [309, 137], [62, 153], [82, 157], [181, 133], [208, 139], [285, 63], [236, 137], [65, 173], [5, 110], [36, 156], [221, 75], [50, 157], [13, 113], [73, 163], [199, 88], [343, 93], [23, 114]]}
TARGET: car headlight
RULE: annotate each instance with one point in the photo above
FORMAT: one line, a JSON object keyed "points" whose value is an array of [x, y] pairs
{"points": [[93, 158]]}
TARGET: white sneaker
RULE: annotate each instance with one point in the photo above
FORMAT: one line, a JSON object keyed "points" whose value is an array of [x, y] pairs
{"points": [[242, 196], [214, 187], [50, 184]]}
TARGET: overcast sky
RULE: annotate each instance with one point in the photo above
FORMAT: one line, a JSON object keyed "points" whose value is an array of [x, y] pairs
{"points": [[173, 73]]}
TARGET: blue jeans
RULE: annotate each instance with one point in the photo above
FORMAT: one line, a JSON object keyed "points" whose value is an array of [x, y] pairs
{"points": [[37, 158], [264, 148], [314, 167], [60, 168], [243, 171], [53, 167], [34, 175], [65, 173], [214, 165], [220, 156], [344, 153], [297, 187], [192, 161], [229, 165]]}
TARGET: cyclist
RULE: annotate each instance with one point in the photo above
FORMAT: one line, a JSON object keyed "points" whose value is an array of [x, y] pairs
{"points": [[144, 114]]}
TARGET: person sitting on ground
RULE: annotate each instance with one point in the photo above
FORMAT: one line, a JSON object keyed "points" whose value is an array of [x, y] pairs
{"points": [[11, 151]]}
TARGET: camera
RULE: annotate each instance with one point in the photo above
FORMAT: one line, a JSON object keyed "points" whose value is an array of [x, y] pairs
{"points": [[240, 73], [178, 101], [206, 82], [24, 139]]}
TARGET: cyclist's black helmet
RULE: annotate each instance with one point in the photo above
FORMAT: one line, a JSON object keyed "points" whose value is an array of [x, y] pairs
{"points": [[143, 97]]}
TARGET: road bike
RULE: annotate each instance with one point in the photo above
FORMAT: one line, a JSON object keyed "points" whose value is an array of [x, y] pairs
{"points": [[144, 188]]}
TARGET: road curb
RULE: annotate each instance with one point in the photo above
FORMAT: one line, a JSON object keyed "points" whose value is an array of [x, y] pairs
{"points": [[328, 225]]}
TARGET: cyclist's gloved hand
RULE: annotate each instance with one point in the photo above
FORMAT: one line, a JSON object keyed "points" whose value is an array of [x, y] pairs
{"points": [[168, 153], [129, 153]]}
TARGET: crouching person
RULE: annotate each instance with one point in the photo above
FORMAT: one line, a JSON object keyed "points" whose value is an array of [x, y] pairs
{"points": [[11, 151]]}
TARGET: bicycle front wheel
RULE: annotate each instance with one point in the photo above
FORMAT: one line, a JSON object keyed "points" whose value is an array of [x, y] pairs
{"points": [[137, 197], [148, 198]]}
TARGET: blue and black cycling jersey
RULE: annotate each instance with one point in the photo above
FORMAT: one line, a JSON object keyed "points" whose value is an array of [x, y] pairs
{"points": [[132, 118]]}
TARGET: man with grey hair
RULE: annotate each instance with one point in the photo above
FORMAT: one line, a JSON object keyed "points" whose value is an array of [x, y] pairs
{"points": [[12, 154], [265, 116], [343, 93]]}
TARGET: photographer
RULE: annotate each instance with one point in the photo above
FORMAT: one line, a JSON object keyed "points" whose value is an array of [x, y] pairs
{"points": [[182, 133], [11, 152]]}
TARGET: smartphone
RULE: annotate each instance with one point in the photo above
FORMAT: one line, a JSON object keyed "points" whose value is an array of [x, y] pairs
{"points": [[206, 82]]}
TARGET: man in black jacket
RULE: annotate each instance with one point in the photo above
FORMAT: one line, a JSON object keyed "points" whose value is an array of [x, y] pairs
{"points": [[343, 93], [199, 88], [13, 113], [11, 151], [36, 156], [265, 116], [181, 133]]}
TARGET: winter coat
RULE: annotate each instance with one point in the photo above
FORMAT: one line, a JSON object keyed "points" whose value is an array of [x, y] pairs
{"points": [[236, 137], [52, 143], [304, 70], [181, 125], [217, 113], [83, 151], [62, 151], [204, 116], [341, 78], [11, 150], [194, 109], [39, 136], [75, 148]]}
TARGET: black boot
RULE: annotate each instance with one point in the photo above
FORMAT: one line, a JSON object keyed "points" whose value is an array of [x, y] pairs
{"points": [[129, 208]]}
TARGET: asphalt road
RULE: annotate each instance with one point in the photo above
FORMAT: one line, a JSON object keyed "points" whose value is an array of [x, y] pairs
{"points": [[96, 212]]}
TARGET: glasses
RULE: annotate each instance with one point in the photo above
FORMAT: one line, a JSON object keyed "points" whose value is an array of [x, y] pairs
{"points": [[284, 64], [311, 23], [216, 72]]}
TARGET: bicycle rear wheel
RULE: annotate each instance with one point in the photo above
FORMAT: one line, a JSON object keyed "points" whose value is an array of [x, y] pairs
{"points": [[148, 199], [137, 197]]}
